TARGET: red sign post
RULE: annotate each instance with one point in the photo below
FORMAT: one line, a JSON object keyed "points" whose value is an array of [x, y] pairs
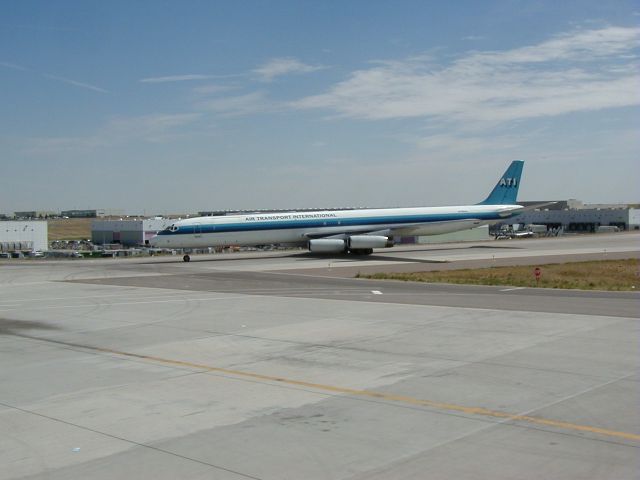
{"points": [[537, 272]]}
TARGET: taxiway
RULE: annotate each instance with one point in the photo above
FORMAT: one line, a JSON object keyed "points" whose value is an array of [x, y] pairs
{"points": [[280, 365]]}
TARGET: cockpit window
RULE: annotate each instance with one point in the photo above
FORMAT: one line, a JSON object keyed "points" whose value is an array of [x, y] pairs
{"points": [[173, 228]]}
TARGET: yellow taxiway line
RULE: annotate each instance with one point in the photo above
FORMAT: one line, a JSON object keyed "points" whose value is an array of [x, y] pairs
{"points": [[382, 396]]}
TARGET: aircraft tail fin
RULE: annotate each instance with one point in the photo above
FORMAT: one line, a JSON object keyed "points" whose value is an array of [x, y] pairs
{"points": [[506, 190]]}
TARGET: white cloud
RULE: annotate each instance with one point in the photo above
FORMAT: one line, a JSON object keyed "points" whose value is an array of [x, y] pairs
{"points": [[247, 104], [213, 89], [187, 78], [12, 66], [152, 128], [174, 78], [75, 83], [284, 66], [582, 45], [581, 71], [57, 78], [149, 127]]}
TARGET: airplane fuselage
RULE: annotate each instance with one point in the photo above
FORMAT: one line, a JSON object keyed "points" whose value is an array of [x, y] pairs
{"points": [[298, 227], [354, 231]]}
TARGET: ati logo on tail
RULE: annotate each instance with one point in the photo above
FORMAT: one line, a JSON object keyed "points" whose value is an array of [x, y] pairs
{"points": [[508, 182]]}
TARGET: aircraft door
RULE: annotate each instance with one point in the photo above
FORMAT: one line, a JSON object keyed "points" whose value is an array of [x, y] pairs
{"points": [[197, 230]]}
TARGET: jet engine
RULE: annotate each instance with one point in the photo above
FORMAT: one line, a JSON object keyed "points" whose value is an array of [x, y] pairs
{"points": [[327, 245], [357, 242]]}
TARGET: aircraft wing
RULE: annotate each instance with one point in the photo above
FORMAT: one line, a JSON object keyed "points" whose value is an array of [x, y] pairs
{"points": [[348, 232], [431, 228]]}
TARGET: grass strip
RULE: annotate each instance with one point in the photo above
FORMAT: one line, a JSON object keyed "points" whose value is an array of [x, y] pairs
{"points": [[612, 275], [69, 228]]}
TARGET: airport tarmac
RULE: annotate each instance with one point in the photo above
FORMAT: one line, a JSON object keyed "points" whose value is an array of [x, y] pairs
{"points": [[279, 365]]}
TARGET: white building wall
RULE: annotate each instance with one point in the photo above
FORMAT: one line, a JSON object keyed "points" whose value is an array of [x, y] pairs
{"points": [[634, 218], [24, 235]]}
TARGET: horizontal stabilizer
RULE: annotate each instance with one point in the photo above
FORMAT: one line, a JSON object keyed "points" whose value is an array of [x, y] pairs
{"points": [[536, 206]]}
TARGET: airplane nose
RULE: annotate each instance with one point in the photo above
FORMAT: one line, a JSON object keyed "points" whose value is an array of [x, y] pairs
{"points": [[154, 241]]}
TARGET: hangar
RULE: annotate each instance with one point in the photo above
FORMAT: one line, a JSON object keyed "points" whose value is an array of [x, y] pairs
{"points": [[23, 235], [128, 233]]}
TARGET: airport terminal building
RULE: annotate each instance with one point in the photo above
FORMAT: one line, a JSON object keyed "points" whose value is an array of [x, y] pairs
{"points": [[574, 216]]}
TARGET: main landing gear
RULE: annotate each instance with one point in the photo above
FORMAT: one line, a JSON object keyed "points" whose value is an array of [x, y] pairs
{"points": [[186, 258], [361, 251]]}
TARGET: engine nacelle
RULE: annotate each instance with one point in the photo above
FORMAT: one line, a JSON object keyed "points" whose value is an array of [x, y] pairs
{"points": [[327, 245], [357, 242]]}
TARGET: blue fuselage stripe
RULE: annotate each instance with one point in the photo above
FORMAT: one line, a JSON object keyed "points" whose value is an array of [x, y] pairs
{"points": [[387, 221]]}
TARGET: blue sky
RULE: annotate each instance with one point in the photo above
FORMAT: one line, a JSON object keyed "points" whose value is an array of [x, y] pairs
{"points": [[162, 107]]}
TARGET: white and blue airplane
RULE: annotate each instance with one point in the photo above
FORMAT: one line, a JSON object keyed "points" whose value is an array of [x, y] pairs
{"points": [[332, 231]]}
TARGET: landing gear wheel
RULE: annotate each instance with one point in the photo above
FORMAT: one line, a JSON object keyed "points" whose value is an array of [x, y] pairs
{"points": [[186, 258], [361, 251]]}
